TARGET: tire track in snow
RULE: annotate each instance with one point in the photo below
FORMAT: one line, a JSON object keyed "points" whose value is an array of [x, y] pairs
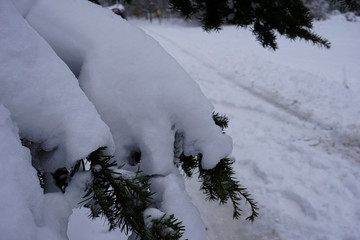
{"points": [[303, 117], [268, 98], [328, 136], [331, 135]]}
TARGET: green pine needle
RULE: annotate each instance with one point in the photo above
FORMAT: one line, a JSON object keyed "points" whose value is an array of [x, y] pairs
{"points": [[219, 184], [167, 227], [220, 120], [123, 200]]}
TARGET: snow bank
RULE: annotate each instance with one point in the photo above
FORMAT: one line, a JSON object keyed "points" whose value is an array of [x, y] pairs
{"points": [[175, 200], [48, 108], [138, 89], [294, 118], [19, 188], [22, 203], [76, 77], [44, 97]]}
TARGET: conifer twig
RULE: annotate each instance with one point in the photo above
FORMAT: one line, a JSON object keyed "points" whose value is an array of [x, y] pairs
{"points": [[123, 200], [218, 183]]}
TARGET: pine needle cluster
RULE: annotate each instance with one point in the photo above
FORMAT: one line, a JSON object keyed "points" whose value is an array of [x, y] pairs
{"points": [[218, 183], [289, 18], [122, 198], [221, 120], [118, 195], [160, 228], [351, 5]]}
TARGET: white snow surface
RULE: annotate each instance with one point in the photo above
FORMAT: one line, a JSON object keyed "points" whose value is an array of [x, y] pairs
{"points": [[294, 120], [170, 189], [17, 190], [74, 77], [140, 92], [22, 203], [44, 97]]}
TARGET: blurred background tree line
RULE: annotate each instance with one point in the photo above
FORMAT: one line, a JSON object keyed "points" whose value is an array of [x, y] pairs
{"points": [[149, 9]]}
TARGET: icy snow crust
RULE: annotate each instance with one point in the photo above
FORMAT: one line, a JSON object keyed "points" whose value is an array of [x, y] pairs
{"points": [[75, 77]]}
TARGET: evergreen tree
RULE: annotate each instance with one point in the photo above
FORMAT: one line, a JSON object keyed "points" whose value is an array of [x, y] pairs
{"points": [[95, 1], [125, 198], [290, 18], [320, 9]]}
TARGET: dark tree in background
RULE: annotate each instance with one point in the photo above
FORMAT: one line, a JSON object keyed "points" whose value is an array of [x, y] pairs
{"points": [[290, 18], [147, 8], [95, 1], [141, 8], [320, 9]]}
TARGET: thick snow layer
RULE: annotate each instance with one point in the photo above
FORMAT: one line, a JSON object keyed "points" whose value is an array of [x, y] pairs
{"points": [[43, 95], [294, 118], [26, 213], [76, 77], [175, 200], [138, 89], [19, 188]]}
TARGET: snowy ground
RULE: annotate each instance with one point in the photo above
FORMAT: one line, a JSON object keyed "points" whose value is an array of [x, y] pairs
{"points": [[294, 119]]}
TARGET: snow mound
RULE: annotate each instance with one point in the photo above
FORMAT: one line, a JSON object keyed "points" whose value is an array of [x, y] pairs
{"points": [[74, 77], [138, 89], [294, 118], [19, 189], [44, 97]]}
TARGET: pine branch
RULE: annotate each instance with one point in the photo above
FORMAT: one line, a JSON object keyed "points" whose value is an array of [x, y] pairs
{"points": [[121, 200], [221, 120], [40, 175], [123, 197], [61, 177], [186, 7], [351, 5], [289, 18], [119, 195], [167, 227], [219, 184], [188, 164], [95, 1]]}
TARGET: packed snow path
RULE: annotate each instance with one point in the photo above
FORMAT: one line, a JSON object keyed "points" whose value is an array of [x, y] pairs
{"points": [[233, 82]]}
